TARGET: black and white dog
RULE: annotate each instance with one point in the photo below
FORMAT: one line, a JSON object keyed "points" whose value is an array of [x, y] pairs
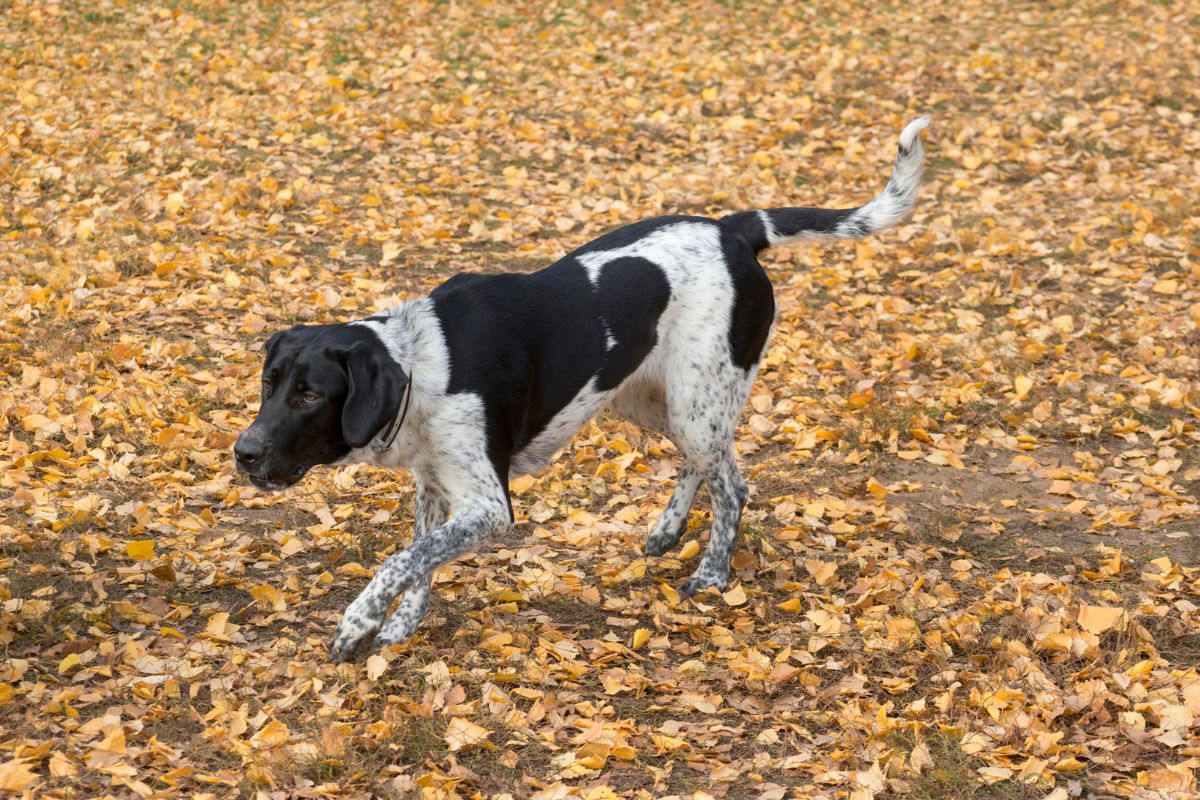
{"points": [[662, 322]]}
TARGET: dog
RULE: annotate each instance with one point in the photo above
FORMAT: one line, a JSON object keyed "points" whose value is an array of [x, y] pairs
{"points": [[662, 322]]}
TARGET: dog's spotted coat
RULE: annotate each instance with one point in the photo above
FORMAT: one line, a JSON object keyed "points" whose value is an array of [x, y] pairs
{"points": [[662, 322]]}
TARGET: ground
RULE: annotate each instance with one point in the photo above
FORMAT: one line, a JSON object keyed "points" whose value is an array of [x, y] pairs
{"points": [[970, 561]]}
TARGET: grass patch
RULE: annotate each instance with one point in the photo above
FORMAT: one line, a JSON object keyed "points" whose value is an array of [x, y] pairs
{"points": [[1173, 639], [952, 775], [572, 612]]}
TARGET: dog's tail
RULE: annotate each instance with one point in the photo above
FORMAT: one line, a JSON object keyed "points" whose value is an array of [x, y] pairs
{"points": [[772, 226]]}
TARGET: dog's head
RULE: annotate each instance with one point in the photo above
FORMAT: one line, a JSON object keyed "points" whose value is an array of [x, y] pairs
{"points": [[326, 389]]}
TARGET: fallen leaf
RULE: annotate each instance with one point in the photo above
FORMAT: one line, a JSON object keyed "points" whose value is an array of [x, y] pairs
{"points": [[462, 733]]}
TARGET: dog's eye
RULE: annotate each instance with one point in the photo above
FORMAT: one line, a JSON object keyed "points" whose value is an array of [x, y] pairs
{"points": [[311, 397]]}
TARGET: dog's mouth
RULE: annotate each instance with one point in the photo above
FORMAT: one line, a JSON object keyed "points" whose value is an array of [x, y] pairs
{"points": [[275, 484]]}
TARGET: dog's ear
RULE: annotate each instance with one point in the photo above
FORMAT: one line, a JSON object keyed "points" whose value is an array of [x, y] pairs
{"points": [[377, 385]]}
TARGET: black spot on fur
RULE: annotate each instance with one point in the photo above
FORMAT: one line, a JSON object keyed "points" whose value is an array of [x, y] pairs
{"points": [[753, 302], [631, 295]]}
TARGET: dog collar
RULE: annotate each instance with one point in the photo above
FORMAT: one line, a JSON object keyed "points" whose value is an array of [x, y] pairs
{"points": [[393, 428]]}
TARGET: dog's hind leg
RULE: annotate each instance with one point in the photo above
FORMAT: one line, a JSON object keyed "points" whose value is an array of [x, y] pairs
{"points": [[671, 525], [704, 414], [430, 512], [729, 495], [644, 404]]}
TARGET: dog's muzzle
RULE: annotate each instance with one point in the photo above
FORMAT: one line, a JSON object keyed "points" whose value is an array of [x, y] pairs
{"points": [[250, 456]]}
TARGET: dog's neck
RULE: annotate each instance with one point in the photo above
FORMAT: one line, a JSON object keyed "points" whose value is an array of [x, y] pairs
{"points": [[396, 336], [412, 336]]}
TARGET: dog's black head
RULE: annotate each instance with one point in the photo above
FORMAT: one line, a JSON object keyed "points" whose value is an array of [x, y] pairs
{"points": [[326, 389]]}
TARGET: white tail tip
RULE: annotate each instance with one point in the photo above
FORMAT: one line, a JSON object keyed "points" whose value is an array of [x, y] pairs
{"points": [[910, 132]]}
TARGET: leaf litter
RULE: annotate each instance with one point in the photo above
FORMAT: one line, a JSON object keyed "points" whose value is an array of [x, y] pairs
{"points": [[969, 563]]}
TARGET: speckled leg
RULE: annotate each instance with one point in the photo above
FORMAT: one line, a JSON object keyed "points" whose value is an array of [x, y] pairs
{"points": [[430, 512], [673, 522], [644, 404], [704, 413], [729, 494], [365, 616]]}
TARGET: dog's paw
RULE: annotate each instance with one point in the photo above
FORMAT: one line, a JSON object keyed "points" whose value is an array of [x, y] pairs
{"points": [[700, 582], [355, 635], [658, 544]]}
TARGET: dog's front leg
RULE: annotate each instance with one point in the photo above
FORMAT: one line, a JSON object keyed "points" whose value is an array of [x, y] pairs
{"points": [[431, 508], [365, 616]]}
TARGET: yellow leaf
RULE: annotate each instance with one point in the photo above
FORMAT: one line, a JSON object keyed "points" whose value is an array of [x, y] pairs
{"points": [[69, 664], [822, 571], [219, 626], [629, 514], [114, 741], [792, 605], [669, 593], [1022, 384], [16, 776], [735, 596], [1098, 619], [877, 489], [391, 251], [61, 767], [639, 637], [273, 734], [462, 733], [174, 203], [376, 666], [269, 597], [140, 550], [690, 550], [522, 484], [667, 744], [592, 762]]}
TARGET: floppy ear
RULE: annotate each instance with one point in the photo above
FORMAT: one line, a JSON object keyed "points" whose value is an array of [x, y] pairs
{"points": [[377, 385]]}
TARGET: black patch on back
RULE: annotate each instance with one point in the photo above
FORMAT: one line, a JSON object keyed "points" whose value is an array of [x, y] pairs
{"points": [[631, 295], [527, 344], [753, 302]]}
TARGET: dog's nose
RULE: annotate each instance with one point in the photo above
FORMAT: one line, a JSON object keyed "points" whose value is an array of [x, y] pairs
{"points": [[248, 451]]}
